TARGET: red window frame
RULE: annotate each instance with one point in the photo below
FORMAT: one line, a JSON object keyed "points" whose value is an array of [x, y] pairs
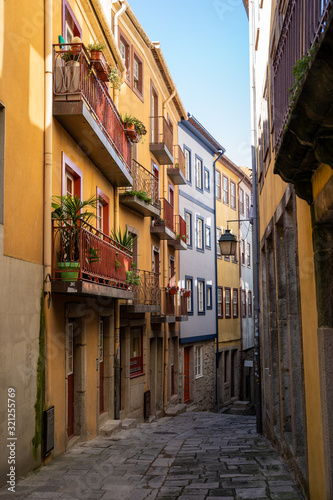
{"points": [[241, 201], [227, 304], [69, 166], [220, 316], [136, 362], [234, 294], [244, 303], [106, 210], [139, 89], [225, 191], [69, 16], [218, 193], [232, 195]]}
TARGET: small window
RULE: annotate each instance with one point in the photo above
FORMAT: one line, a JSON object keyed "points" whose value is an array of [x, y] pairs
{"points": [[200, 235], [198, 168], [218, 236], [198, 362], [225, 190], [227, 302], [188, 221], [209, 297], [249, 304], [136, 352], [137, 75], [235, 303], [208, 237], [201, 296], [220, 301], [206, 179], [241, 201], [102, 216], [124, 49], [244, 303], [247, 206], [232, 195], [242, 251], [187, 164], [189, 286], [218, 185], [248, 254], [71, 178]]}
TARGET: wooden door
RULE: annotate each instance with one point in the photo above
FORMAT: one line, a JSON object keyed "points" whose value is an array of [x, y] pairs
{"points": [[186, 374], [70, 381], [101, 366]]}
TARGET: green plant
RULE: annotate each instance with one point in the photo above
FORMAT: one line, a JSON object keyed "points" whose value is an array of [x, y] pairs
{"points": [[114, 79], [138, 125], [132, 278], [299, 71], [70, 212], [96, 46], [125, 239], [140, 194], [184, 237]]}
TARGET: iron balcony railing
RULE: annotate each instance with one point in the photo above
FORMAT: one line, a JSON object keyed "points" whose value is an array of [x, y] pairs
{"points": [[96, 256], [74, 78], [161, 132], [148, 291], [179, 159], [304, 22], [144, 182], [180, 228], [175, 303]]}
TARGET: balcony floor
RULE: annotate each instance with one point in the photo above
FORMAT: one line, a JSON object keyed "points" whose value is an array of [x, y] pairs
{"points": [[176, 175], [86, 288], [139, 206], [140, 308], [79, 122], [177, 244], [162, 232], [161, 153]]}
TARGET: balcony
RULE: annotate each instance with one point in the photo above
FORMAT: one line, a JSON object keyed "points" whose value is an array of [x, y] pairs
{"points": [[174, 308], [143, 196], [147, 294], [161, 144], [87, 262], [176, 172], [303, 130], [163, 227], [83, 106], [180, 229]]}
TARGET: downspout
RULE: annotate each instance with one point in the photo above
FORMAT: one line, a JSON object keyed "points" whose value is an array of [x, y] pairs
{"points": [[241, 313], [257, 363], [216, 283], [48, 82]]}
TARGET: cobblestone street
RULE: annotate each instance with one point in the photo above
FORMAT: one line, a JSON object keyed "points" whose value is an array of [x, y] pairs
{"points": [[193, 456]]}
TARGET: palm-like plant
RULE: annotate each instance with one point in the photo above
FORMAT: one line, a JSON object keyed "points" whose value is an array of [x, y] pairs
{"points": [[70, 211], [126, 239]]}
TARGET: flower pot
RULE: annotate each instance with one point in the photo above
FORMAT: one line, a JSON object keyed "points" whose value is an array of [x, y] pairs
{"points": [[96, 55], [69, 270], [187, 293], [173, 292]]}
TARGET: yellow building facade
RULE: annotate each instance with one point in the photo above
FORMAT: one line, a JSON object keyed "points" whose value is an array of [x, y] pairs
{"points": [[105, 339]]}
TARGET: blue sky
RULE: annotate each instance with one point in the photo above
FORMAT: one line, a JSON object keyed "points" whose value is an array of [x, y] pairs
{"points": [[205, 44]]}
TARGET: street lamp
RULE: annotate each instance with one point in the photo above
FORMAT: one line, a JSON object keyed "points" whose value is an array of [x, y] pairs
{"points": [[228, 243]]}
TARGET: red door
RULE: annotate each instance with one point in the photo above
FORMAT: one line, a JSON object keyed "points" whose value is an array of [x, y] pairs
{"points": [[101, 366], [186, 374], [70, 382]]}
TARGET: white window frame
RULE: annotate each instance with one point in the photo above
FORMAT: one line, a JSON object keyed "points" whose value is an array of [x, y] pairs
{"points": [[198, 362], [188, 286], [200, 224], [201, 291], [187, 155], [198, 173], [188, 222]]}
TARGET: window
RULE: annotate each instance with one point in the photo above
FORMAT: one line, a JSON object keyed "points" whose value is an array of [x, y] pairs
{"points": [[209, 297], [71, 177], [249, 304], [220, 302], [136, 352], [227, 302], [198, 173], [235, 303], [201, 296], [188, 220], [102, 218], [189, 286], [206, 179], [124, 49], [247, 206], [244, 303], [248, 254], [208, 237], [242, 252], [218, 236], [241, 201], [218, 185], [137, 75], [198, 362], [200, 234], [232, 195], [70, 26], [225, 190], [187, 164]]}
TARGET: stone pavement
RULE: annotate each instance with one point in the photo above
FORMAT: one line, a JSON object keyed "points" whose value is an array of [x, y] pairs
{"points": [[193, 456]]}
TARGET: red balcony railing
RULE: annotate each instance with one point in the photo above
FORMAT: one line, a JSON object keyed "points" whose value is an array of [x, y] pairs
{"points": [[167, 214], [144, 182], [180, 227], [148, 291], [304, 22], [74, 78], [179, 159], [175, 304], [161, 132], [97, 256]]}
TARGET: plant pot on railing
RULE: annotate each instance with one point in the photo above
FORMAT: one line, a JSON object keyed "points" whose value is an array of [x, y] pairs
{"points": [[172, 289]]}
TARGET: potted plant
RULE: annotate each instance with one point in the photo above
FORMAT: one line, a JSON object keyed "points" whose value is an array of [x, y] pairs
{"points": [[187, 293], [72, 65], [134, 127], [96, 49], [70, 212], [114, 78], [172, 289]]}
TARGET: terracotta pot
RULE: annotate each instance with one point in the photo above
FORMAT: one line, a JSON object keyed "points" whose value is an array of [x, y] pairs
{"points": [[96, 55]]}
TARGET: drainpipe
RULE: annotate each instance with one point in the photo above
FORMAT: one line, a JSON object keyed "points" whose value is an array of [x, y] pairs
{"points": [[116, 17], [216, 283], [240, 301], [257, 363]]}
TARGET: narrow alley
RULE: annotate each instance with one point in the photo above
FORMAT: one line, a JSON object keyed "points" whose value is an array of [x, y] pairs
{"points": [[193, 456]]}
